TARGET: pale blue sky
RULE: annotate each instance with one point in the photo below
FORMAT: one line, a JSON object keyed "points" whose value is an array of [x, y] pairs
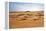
{"points": [[14, 6]]}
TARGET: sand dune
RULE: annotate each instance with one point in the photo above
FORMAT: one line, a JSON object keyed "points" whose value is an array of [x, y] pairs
{"points": [[26, 19]]}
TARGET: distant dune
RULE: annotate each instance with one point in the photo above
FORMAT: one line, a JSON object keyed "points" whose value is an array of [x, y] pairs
{"points": [[26, 19]]}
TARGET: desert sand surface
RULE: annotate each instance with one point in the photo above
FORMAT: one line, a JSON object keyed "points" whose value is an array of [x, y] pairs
{"points": [[26, 19]]}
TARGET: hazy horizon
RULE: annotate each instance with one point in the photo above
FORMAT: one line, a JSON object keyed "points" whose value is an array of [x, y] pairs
{"points": [[17, 6]]}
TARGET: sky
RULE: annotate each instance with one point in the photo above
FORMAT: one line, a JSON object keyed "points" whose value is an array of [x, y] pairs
{"points": [[23, 6]]}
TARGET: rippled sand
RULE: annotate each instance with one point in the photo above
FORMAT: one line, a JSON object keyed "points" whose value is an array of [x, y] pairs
{"points": [[26, 19]]}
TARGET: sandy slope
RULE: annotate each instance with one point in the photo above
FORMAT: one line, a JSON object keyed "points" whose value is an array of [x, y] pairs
{"points": [[26, 19]]}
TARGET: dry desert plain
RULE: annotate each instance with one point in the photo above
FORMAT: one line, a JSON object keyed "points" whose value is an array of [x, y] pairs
{"points": [[26, 19]]}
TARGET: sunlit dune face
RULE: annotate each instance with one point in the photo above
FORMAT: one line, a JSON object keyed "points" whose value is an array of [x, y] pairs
{"points": [[26, 19]]}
